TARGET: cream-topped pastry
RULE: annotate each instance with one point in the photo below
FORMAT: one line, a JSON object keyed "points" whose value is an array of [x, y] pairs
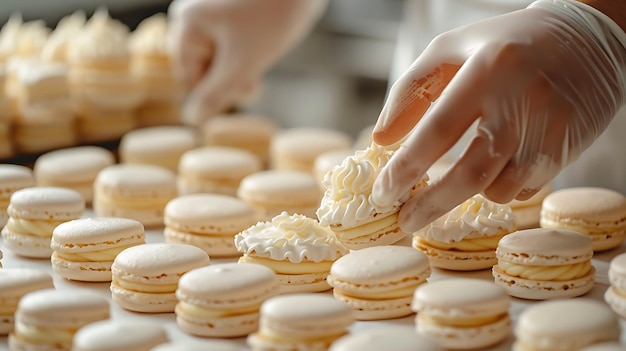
{"points": [[31, 38], [56, 47], [466, 237], [540, 264], [296, 247], [9, 35], [347, 206]]}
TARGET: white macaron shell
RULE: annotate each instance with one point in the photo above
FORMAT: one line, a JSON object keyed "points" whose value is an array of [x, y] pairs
{"points": [[14, 177], [137, 180], [279, 187], [73, 164], [396, 339], [212, 345], [46, 203], [209, 213], [89, 234], [15, 282], [115, 335], [545, 247], [617, 271], [567, 324], [217, 162]]}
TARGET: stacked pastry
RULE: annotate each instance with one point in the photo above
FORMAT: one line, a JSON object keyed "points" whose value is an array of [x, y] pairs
{"points": [[152, 65], [104, 92]]}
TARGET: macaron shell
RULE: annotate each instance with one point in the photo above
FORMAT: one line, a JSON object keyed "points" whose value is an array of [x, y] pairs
{"points": [[204, 345], [136, 180], [143, 302], [460, 297], [213, 245], [385, 338], [219, 327], [616, 301], [605, 346], [534, 200], [156, 141], [209, 213], [72, 164], [153, 261], [303, 283], [371, 266], [305, 142], [149, 217], [84, 271], [617, 271], [545, 247], [15, 282], [26, 245], [585, 205], [219, 162], [97, 233], [61, 308], [46, 203], [279, 187], [237, 128], [469, 337], [227, 284], [544, 290], [109, 335], [14, 177], [457, 260], [369, 310], [557, 324]]}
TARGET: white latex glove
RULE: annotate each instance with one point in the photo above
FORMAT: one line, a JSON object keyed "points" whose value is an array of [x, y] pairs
{"points": [[543, 83], [222, 47]]}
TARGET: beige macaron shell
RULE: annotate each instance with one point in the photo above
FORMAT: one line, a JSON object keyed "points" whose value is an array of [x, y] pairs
{"points": [[371, 269], [119, 335], [158, 261], [46, 203], [557, 324], [89, 234], [15, 282], [545, 247], [605, 346], [461, 297], [305, 315], [232, 128], [209, 214], [385, 338], [279, 187], [217, 162], [136, 180], [585, 205], [73, 164], [308, 143], [534, 200], [61, 308], [14, 177], [228, 285], [155, 142], [204, 345]]}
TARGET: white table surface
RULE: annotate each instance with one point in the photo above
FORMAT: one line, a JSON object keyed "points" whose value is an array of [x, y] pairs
{"points": [[167, 320]]}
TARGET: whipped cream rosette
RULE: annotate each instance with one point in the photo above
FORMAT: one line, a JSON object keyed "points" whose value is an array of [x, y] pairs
{"points": [[466, 238], [56, 47], [347, 206], [297, 248]]}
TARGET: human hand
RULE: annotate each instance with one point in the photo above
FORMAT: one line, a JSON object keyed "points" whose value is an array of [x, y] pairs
{"points": [[543, 83], [222, 47]]}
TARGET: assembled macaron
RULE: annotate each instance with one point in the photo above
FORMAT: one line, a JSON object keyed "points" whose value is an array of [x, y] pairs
{"points": [[223, 300], [15, 283], [462, 313], [33, 215], [596, 212], [300, 322], [145, 277], [539, 264], [565, 324], [378, 282], [208, 221], [12, 179], [84, 249]]}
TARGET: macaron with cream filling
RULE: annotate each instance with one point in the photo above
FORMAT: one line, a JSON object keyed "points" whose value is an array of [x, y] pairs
{"points": [[615, 295], [466, 238], [145, 277], [347, 207], [565, 324], [539, 264], [84, 249], [528, 212], [48, 319], [378, 282], [223, 300], [208, 221], [33, 215], [15, 283], [295, 247], [463, 314], [12, 179], [119, 335], [596, 212], [300, 322]]}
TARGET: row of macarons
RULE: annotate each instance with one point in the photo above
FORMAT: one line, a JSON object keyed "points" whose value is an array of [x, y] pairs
{"points": [[453, 313]]}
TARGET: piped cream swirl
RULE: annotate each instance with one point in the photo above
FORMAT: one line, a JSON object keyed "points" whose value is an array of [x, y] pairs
{"points": [[347, 198], [103, 37], [476, 217], [295, 238], [32, 227], [150, 36]]}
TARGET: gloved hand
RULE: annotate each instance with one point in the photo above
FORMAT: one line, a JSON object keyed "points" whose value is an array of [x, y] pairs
{"points": [[543, 83], [222, 47]]}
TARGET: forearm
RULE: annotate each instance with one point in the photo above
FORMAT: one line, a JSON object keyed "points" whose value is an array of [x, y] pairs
{"points": [[616, 10]]}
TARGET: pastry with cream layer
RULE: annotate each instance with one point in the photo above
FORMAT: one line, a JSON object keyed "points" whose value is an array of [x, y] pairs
{"points": [[104, 91], [539, 264], [296, 247], [347, 206], [151, 63], [466, 238]]}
